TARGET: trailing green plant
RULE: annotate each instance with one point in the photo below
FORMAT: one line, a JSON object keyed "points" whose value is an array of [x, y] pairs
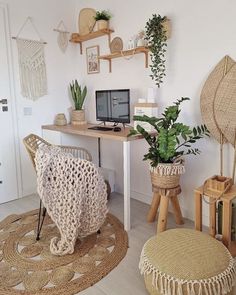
{"points": [[78, 94], [102, 15], [157, 43], [172, 139]]}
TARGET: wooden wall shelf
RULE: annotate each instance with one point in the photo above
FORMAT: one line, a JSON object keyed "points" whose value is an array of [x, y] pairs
{"points": [[124, 53], [76, 38]]}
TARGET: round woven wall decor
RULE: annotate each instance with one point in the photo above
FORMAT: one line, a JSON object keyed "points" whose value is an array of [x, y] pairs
{"points": [[116, 45], [27, 266], [208, 95], [225, 105]]}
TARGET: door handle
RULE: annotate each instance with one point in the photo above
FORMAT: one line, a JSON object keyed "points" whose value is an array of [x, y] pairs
{"points": [[3, 101]]}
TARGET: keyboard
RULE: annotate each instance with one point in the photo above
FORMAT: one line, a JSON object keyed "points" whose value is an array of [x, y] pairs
{"points": [[101, 128]]}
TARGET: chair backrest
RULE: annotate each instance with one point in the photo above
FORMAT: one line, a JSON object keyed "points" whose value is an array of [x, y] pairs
{"points": [[32, 142]]}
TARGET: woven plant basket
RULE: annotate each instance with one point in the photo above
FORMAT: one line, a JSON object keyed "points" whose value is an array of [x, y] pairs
{"points": [[78, 117], [166, 175]]}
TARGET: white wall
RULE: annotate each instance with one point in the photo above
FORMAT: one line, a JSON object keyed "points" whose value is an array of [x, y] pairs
{"points": [[46, 16], [203, 32]]}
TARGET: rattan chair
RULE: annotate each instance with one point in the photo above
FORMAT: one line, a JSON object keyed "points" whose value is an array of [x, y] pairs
{"points": [[32, 142]]}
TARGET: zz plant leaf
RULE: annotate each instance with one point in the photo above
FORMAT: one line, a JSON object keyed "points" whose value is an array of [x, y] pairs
{"points": [[172, 139]]}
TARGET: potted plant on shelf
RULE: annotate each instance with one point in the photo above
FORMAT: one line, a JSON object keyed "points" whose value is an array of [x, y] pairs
{"points": [[102, 19], [171, 141], [78, 96], [157, 31]]}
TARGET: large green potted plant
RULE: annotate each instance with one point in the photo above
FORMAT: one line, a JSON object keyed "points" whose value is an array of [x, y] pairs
{"points": [[168, 144], [78, 95], [102, 19], [157, 31]]}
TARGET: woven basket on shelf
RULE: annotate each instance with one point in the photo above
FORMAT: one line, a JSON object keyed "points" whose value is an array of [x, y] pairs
{"points": [[166, 175]]}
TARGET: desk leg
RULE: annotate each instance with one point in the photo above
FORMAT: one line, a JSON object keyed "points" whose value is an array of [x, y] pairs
{"points": [[198, 211], [126, 167]]}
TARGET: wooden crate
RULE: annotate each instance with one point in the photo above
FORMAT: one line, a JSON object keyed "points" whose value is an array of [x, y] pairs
{"points": [[218, 183]]}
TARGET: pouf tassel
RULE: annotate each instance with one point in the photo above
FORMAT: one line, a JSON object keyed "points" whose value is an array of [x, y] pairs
{"points": [[206, 290], [200, 289], [180, 290], [162, 285]]}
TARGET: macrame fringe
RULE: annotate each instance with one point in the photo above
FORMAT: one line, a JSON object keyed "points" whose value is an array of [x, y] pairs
{"points": [[32, 68], [167, 285], [168, 169]]}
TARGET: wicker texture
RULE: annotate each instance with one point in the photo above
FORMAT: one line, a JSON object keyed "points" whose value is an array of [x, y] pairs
{"points": [[116, 45], [208, 95], [166, 175], [47, 274], [187, 261], [86, 20], [225, 105], [32, 142]]}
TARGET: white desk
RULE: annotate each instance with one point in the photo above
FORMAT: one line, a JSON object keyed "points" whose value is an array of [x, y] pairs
{"points": [[83, 130]]}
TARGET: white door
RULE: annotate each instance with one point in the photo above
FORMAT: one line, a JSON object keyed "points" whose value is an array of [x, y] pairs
{"points": [[8, 171]]}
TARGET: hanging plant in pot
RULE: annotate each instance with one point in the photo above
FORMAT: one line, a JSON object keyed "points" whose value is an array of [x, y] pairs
{"points": [[168, 145], [78, 96], [102, 19], [157, 31]]}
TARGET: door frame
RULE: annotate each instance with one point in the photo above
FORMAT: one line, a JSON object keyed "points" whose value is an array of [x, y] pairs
{"points": [[12, 99]]}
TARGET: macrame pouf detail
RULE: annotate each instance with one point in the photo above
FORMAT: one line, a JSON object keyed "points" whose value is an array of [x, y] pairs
{"points": [[187, 262]]}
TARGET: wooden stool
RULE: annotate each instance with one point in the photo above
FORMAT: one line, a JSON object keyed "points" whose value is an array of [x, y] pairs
{"points": [[161, 198], [227, 199]]}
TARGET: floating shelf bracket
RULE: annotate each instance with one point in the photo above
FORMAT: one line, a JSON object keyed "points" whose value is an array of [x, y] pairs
{"points": [[79, 39], [125, 53]]}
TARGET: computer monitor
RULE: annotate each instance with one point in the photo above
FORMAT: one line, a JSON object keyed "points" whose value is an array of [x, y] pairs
{"points": [[113, 106]]}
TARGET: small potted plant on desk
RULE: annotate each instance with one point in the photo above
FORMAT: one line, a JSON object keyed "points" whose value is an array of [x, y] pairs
{"points": [[167, 146], [78, 96], [102, 19]]}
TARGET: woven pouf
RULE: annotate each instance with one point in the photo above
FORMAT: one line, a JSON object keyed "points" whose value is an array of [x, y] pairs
{"points": [[187, 262]]}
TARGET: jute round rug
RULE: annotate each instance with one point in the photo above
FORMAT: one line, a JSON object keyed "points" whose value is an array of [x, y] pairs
{"points": [[27, 267]]}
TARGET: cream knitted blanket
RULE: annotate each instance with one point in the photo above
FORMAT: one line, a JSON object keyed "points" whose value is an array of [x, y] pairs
{"points": [[74, 194]]}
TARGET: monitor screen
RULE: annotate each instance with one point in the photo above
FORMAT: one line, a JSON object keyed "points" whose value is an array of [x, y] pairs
{"points": [[113, 105]]}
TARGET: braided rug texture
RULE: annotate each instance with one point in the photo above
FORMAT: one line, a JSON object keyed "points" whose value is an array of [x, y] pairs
{"points": [[27, 266], [74, 194]]}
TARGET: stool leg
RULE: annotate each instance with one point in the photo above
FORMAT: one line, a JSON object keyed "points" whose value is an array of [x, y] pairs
{"points": [[212, 217], [177, 211], [198, 211], [227, 218], [162, 218], [154, 207]]}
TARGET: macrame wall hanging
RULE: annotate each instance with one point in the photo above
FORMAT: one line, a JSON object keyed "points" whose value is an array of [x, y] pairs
{"points": [[62, 38], [32, 66]]}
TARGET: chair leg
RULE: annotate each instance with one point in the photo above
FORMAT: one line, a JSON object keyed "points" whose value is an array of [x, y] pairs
{"points": [[40, 223]]}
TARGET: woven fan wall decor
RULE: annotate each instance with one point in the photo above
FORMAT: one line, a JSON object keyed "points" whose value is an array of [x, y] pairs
{"points": [[208, 95], [86, 20], [225, 105], [116, 45]]}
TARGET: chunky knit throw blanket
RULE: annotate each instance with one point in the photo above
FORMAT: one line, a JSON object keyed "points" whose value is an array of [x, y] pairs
{"points": [[74, 194]]}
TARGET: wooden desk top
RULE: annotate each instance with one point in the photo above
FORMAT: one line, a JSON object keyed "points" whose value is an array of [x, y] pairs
{"points": [[83, 130]]}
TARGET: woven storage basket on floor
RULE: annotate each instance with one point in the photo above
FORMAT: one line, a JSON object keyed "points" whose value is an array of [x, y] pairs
{"points": [[166, 175], [187, 262]]}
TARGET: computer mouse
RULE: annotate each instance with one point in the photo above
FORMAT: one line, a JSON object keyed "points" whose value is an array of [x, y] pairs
{"points": [[116, 129]]}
